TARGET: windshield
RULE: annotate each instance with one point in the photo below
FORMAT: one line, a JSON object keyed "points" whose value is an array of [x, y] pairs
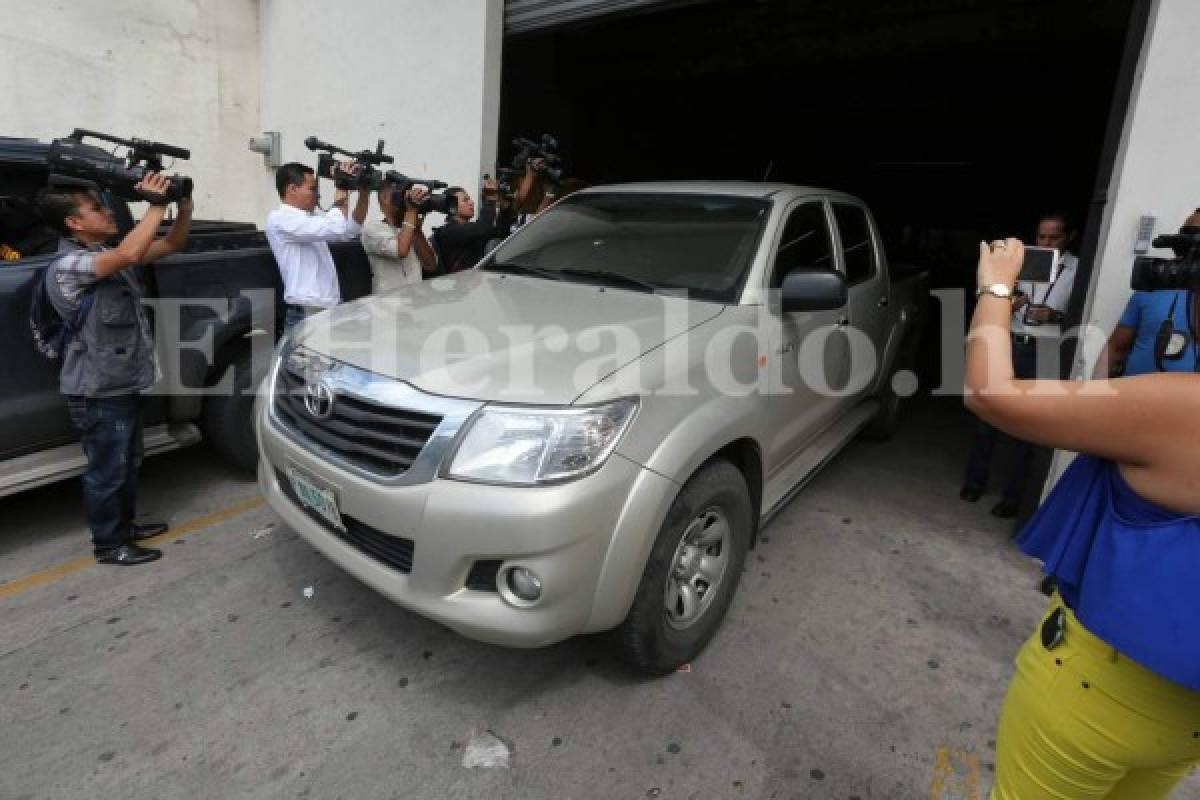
{"points": [[700, 243]]}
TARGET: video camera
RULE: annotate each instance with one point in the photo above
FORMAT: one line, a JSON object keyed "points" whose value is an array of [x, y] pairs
{"points": [[545, 149], [370, 178], [507, 179], [75, 164], [366, 177], [441, 203], [1152, 274]]}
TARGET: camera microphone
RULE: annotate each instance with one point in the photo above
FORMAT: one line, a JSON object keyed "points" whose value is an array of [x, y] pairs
{"points": [[163, 149]]}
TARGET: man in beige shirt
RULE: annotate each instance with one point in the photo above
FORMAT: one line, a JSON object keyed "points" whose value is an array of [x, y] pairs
{"points": [[396, 245]]}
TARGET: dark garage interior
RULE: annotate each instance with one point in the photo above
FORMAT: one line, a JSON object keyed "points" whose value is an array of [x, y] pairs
{"points": [[953, 119]]}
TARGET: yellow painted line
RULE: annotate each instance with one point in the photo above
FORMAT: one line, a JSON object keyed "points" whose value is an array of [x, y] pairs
{"points": [[59, 571], [955, 775]]}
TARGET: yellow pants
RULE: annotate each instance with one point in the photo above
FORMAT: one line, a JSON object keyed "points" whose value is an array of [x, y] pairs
{"points": [[1082, 721]]}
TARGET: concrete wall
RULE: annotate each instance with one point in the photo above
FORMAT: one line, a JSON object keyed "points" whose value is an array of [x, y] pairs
{"points": [[178, 71], [209, 74], [424, 76], [1158, 164]]}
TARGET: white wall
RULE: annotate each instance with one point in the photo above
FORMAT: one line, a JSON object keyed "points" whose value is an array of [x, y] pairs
{"points": [[177, 71], [420, 74], [1158, 164]]}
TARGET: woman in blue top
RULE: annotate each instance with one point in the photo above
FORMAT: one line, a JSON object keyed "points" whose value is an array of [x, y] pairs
{"points": [[1105, 700]]}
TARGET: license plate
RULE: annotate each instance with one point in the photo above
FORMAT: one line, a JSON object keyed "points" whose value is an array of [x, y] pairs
{"points": [[315, 495]]}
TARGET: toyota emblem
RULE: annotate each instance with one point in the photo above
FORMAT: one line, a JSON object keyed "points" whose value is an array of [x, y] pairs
{"points": [[318, 400]]}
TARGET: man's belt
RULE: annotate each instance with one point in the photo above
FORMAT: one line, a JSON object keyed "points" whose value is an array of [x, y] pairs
{"points": [[1024, 339]]}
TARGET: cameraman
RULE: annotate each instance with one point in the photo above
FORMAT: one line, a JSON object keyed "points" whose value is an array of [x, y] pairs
{"points": [[300, 240], [460, 243], [1158, 332], [534, 194], [396, 245], [109, 359]]}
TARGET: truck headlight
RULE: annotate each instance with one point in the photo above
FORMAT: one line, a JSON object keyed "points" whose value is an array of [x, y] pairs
{"points": [[531, 446]]}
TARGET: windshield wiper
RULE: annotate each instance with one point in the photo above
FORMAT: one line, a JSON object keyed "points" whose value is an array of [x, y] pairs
{"points": [[611, 278], [522, 269]]}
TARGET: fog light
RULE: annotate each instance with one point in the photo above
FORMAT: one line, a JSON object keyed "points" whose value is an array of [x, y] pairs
{"points": [[525, 584]]}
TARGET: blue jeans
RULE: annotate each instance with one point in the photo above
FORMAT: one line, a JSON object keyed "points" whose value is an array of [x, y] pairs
{"points": [[111, 434]]}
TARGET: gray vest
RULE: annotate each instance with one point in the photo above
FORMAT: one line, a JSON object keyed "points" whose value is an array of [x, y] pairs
{"points": [[112, 354]]}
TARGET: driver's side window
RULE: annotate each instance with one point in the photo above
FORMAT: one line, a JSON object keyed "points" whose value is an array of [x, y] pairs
{"points": [[805, 243]]}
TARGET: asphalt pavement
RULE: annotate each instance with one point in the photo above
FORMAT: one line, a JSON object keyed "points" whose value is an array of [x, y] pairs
{"points": [[865, 656]]}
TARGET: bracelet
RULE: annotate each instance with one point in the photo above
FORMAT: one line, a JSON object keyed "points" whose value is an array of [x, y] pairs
{"points": [[407, 224]]}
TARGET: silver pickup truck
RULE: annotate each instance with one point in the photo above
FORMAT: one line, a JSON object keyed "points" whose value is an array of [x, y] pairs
{"points": [[588, 430]]}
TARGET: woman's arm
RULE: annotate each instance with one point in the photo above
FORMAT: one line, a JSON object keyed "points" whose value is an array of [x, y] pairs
{"points": [[1141, 421]]}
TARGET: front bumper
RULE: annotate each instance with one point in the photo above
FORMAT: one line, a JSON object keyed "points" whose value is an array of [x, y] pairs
{"points": [[565, 533]]}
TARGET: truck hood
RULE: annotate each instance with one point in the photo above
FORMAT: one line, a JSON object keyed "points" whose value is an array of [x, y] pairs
{"points": [[502, 338]]}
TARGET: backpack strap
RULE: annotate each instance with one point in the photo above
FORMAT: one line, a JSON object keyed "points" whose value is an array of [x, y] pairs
{"points": [[72, 327]]}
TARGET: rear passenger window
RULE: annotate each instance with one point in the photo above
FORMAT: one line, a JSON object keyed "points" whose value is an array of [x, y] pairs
{"points": [[805, 243], [857, 251]]}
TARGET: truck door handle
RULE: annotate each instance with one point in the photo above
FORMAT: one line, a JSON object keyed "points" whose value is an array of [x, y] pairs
{"points": [[883, 302], [787, 348], [843, 322]]}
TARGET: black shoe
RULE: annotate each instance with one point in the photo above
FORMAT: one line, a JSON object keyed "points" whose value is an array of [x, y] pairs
{"points": [[127, 555], [1049, 586], [970, 493], [147, 530], [1005, 509]]}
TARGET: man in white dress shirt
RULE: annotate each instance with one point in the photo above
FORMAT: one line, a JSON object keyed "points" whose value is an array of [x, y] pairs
{"points": [[300, 238], [1035, 304]]}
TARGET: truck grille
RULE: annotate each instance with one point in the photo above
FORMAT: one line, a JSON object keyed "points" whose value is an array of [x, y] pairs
{"points": [[373, 437], [393, 551]]}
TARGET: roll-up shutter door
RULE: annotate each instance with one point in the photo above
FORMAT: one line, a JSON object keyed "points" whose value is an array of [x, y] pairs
{"points": [[522, 16]]}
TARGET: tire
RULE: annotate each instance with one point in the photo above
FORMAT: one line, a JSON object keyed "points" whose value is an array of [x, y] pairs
{"points": [[228, 421], [664, 629]]}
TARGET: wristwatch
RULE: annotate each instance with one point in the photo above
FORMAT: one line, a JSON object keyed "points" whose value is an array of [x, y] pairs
{"points": [[1002, 290]]}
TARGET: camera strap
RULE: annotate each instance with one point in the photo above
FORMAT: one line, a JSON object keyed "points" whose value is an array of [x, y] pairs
{"points": [[1167, 334], [1050, 288]]}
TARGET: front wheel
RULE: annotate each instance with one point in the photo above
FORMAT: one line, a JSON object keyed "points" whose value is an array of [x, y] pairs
{"points": [[692, 573]]}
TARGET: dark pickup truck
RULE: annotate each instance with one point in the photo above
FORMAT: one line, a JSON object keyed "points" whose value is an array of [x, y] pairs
{"points": [[227, 285]]}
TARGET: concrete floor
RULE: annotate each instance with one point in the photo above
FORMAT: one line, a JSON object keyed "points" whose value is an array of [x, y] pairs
{"points": [[865, 657]]}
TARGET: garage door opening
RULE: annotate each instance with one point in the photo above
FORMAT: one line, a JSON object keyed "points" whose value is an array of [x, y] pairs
{"points": [[954, 119]]}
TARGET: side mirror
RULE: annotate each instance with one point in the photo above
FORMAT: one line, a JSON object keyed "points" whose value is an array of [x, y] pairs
{"points": [[813, 290]]}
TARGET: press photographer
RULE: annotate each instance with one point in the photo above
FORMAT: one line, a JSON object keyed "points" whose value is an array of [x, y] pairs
{"points": [[1160, 327], [300, 238], [531, 183], [396, 245], [104, 338], [460, 243]]}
